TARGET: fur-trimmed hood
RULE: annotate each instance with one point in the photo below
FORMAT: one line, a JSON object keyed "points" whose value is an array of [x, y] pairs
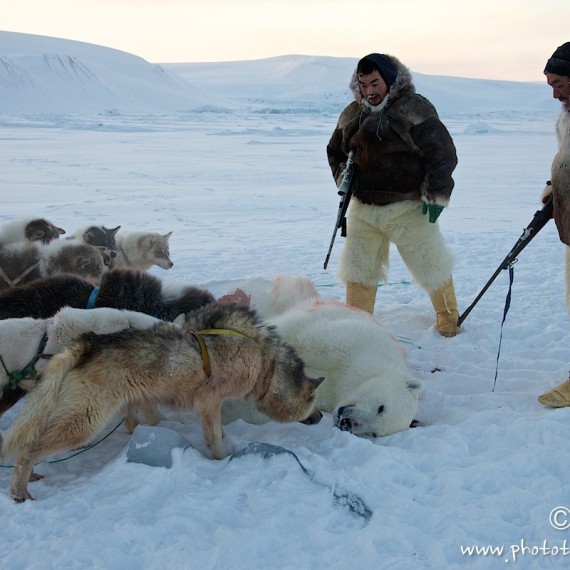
{"points": [[402, 84], [402, 149]]}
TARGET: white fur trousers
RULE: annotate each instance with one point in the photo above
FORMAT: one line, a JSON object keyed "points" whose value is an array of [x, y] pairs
{"points": [[371, 229]]}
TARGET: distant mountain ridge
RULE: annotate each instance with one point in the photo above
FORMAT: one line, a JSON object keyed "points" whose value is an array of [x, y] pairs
{"points": [[318, 82], [40, 74]]}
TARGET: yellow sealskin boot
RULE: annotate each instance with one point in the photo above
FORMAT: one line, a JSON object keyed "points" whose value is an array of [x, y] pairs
{"points": [[445, 305], [558, 397], [361, 296]]}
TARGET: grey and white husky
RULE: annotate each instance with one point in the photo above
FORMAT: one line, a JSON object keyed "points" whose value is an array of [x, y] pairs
{"points": [[142, 250], [26, 261], [222, 352]]}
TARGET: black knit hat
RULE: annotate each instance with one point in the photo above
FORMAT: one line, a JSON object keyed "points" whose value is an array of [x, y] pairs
{"points": [[559, 63], [382, 63]]}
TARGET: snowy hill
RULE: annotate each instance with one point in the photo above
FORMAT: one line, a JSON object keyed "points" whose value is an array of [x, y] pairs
{"points": [[317, 84], [49, 75]]}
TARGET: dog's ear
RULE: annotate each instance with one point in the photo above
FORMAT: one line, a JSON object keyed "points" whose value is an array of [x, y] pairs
{"points": [[149, 242], [82, 262], [179, 320], [167, 236], [112, 231], [89, 234], [37, 235], [317, 381], [54, 229]]}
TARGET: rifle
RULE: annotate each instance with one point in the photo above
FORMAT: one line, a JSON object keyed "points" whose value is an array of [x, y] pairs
{"points": [[345, 193], [539, 220]]}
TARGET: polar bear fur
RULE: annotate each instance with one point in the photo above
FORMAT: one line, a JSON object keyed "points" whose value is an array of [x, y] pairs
{"points": [[368, 387]]}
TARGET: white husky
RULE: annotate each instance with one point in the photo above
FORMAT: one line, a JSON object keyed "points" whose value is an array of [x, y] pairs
{"points": [[21, 342], [368, 386]]}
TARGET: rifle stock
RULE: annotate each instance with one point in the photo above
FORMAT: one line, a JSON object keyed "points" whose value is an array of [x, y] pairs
{"points": [[345, 193], [539, 220]]}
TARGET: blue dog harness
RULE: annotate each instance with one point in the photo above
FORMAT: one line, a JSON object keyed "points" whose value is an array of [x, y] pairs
{"points": [[92, 298]]}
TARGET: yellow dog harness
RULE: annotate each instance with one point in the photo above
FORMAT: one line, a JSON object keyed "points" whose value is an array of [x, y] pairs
{"points": [[204, 350]]}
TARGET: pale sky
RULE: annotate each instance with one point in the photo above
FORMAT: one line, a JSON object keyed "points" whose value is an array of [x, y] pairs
{"points": [[492, 39]]}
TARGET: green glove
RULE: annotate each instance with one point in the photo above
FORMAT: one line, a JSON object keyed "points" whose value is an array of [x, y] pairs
{"points": [[434, 211]]}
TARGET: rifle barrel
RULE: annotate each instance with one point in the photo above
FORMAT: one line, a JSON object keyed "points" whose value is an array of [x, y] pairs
{"points": [[463, 316], [344, 192], [539, 220]]}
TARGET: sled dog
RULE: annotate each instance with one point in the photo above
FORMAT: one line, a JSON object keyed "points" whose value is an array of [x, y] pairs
{"points": [[26, 345], [29, 229], [102, 238], [119, 289], [24, 262], [368, 387], [185, 367], [142, 250], [21, 341]]}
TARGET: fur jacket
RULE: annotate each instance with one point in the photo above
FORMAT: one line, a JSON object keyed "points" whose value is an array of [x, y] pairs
{"points": [[560, 176], [402, 149]]}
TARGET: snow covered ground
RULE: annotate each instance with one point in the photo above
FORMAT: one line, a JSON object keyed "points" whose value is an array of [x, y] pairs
{"points": [[248, 195]]}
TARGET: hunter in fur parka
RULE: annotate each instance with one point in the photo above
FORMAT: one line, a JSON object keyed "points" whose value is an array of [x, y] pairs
{"points": [[402, 150], [557, 72], [403, 159]]}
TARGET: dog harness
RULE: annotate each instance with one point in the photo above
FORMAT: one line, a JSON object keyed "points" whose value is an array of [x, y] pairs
{"points": [[204, 349], [18, 278], [28, 372], [92, 298]]}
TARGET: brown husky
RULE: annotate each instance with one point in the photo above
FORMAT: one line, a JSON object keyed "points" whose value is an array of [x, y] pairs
{"points": [[222, 351]]}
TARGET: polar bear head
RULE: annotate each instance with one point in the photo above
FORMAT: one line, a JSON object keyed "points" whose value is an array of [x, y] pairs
{"points": [[380, 406]]}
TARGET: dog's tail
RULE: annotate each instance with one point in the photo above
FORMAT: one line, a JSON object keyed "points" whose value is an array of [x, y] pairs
{"points": [[40, 405]]}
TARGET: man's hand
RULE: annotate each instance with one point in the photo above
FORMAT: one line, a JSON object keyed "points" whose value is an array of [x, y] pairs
{"points": [[546, 192], [340, 177], [434, 211]]}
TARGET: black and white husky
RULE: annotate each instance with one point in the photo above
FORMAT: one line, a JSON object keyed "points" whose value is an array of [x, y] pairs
{"points": [[119, 289], [29, 229], [101, 237]]}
